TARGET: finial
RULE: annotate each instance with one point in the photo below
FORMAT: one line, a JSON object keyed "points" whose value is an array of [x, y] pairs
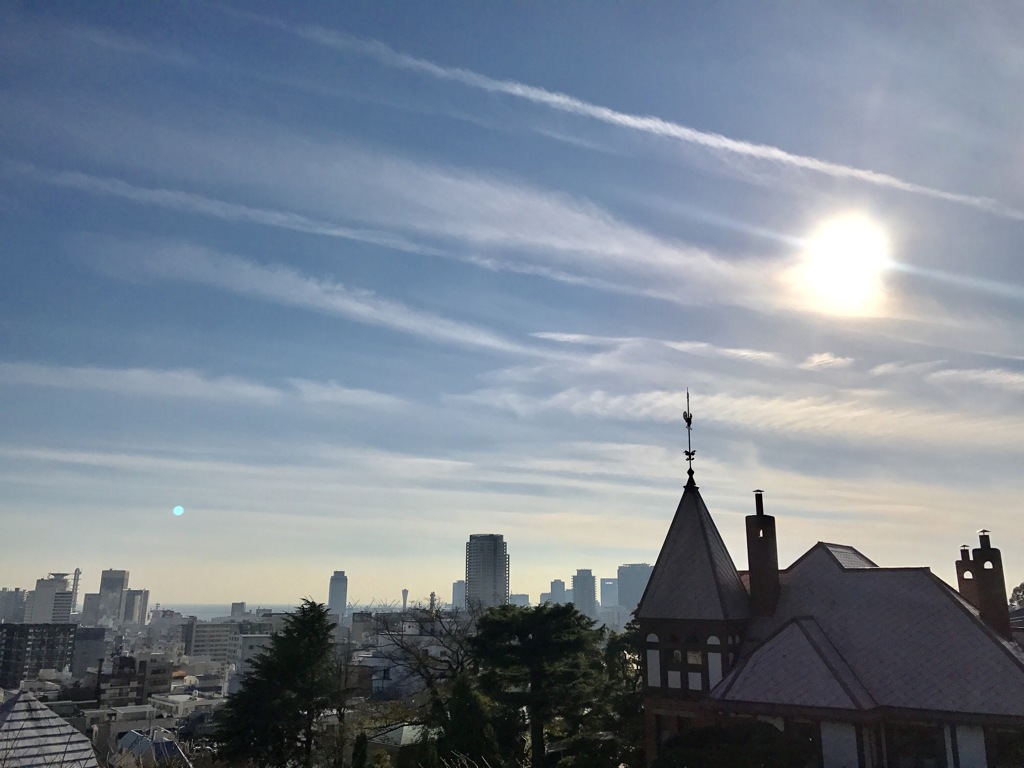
{"points": [[688, 418]]}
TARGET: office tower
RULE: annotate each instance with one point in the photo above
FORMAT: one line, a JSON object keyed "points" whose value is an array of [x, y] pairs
{"points": [[633, 580], [90, 647], [486, 571], [337, 596], [238, 610], [459, 594], [558, 592], [90, 609], [584, 593], [136, 606], [519, 599], [609, 592], [50, 601], [27, 648], [113, 586], [12, 606]]}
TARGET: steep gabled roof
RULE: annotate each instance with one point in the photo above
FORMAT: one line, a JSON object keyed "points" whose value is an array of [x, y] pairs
{"points": [[797, 666], [33, 736], [694, 577], [903, 634]]}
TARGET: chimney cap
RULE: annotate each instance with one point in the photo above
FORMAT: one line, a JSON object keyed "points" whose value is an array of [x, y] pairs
{"points": [[758, 490]]}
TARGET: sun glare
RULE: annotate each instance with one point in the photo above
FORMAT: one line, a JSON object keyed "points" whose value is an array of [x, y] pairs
{"points": [[842, 266]]}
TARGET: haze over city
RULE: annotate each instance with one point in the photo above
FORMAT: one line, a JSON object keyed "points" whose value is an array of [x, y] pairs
{"points": [[347, 283]]}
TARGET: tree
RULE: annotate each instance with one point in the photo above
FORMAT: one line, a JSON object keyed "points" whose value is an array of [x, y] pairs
{"points": [[611, 734], [468, 732], [359, 750], [1017, 596], [545, 659], [273, 719], [431, 648]]}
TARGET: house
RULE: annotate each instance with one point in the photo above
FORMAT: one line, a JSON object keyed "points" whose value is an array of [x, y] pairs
{"points": [[32, 736], [876, 667]]}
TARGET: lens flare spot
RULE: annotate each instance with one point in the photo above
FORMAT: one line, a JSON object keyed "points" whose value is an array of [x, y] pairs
{"points": [[179, 511]]}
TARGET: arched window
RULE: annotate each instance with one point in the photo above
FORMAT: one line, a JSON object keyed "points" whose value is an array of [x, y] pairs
{"points": [[989, 566], [968, 575]]}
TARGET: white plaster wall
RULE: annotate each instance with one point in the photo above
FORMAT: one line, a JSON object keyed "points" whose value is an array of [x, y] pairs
{"points": [[970, 740], [675, 679], [839, 745], [714, 669], [653, 668]]}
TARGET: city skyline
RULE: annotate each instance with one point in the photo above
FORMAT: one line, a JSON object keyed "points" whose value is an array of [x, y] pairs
{"points": [[292, 288]]}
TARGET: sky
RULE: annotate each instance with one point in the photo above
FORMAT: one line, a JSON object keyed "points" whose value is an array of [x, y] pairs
{"points": [[350, 282]]}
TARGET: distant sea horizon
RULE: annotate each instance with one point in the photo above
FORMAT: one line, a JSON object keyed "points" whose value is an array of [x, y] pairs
{"points": [[207, 611]]}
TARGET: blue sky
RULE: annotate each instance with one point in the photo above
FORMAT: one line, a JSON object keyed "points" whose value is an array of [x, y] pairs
{"points": [[350, 282]]}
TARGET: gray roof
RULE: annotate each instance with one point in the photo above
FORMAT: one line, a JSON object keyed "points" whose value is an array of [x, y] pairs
{"points": [[32, 736], [694, 577], [797, 666], [888, 637]]}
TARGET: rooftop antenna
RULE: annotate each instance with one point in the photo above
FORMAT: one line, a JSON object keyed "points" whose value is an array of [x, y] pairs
{"points": [[688, 418]]}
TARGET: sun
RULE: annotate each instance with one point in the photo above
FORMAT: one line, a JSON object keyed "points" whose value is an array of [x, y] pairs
{"points": [[842, 266]]}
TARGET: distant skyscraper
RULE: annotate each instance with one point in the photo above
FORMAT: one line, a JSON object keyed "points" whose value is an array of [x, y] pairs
{"points": [[584, 593], [50, 601], [91, 609], [486, 570], [113, 589], [519, 599], [136, 606], [337, 597], [609, 592], [238, 610], [633, 580], [12, 605], [558, 592], [459, 594]]}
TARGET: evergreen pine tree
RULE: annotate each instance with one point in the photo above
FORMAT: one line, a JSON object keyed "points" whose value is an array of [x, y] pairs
{"points": [[273, 719]]}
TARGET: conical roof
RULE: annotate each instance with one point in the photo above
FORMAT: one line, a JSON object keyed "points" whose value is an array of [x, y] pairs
{"points": [[33, 736], [694, 577]]}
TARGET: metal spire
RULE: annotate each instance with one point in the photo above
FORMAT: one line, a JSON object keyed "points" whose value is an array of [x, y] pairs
{"points": [[688, 418]]}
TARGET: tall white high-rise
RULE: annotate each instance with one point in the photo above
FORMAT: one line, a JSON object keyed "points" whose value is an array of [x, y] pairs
{"points": [[50, 601], [486, 571], [584, 592], [337, 597]]}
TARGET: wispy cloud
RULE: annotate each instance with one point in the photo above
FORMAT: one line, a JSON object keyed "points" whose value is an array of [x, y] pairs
{"points": [[332, 393], [998, 378], [281, 285], [189, 202], [179, 383], [188, 384], [699, 348], [826, 360], [645, 123], [844, 418]]}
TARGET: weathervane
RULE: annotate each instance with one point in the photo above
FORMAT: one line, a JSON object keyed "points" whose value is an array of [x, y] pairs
{"points": [[688, 418]]}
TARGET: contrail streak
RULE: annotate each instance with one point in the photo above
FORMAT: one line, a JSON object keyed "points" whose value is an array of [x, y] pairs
{"points": [[649, 124]]}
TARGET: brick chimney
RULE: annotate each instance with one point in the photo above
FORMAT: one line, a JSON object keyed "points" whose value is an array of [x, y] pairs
{"points": [[762, 560], [966, 583], [989, 584]]}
